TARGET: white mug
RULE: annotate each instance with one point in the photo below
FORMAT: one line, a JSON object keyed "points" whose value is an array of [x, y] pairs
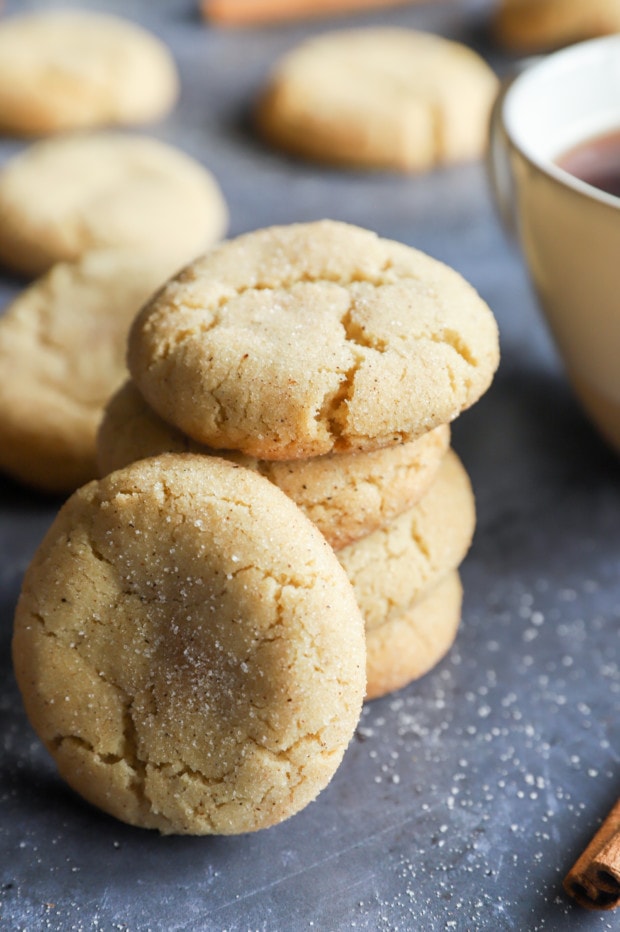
{"points": [[569, 231]]}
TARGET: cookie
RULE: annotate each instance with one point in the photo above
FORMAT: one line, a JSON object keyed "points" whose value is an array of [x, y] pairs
{"points": [[62, 353], [189, 649], [412, 643], [70, 69], [301, 340], [65, 196], [347, 496], [392, 567], [536, 25], [379, 98]]}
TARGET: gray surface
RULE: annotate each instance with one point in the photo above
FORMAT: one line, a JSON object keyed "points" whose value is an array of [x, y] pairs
{"points": [[465, 797]]}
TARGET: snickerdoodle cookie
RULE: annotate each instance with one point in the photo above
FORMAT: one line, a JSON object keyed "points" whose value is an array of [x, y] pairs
{"points": [[410, 644], [62, 353], [70, 69], [300, 340], [536, 25], [345, 495], [379, 98], [64, 196], [392, 567], [189, 649]]}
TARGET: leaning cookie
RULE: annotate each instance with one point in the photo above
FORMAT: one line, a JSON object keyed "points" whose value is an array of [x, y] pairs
{"points": [[536, 25], [392, 567], [346, 495], [379, 98], [301, 340], [189, 649], [412, 643], [62, 353], [70, 69], [65, 196]]}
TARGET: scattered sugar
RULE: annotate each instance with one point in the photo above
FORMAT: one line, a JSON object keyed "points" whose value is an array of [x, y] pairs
{"points": [[516, 777], [492, 767]]}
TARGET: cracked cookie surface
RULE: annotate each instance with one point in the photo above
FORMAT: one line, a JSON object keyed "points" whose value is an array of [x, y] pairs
{"points": [[345, 495], [70, 69], [62, 353], [410, 644], [379, 98], [67, 195], [302, 340], [189, 649], [392, 567]]}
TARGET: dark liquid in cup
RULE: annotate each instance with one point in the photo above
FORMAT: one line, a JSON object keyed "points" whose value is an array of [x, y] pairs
{"points": [[596, 161]]}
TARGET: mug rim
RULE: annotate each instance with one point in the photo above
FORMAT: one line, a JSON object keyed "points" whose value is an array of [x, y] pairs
{"points": [[558, 60]]}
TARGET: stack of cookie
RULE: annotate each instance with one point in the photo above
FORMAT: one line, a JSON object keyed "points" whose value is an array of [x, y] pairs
{"points": [[189, 646], [331, 362]]}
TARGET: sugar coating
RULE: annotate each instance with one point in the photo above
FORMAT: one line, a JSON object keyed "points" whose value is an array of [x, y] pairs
{"points": [[409, 645], [392, 567], [297, 341], [189, 649], [62, 353], [345, 495], [70, 69], [70, 194], [379, 98]]}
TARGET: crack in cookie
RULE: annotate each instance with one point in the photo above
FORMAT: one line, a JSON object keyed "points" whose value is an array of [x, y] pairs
{"points": [[182, 627], [294, 342], [345, 495]]}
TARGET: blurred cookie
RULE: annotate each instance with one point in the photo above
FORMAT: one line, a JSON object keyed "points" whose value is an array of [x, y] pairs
{"points": [[412, 643], [379, 98], [301, 340], [536, 25], [62, 353], [189, 649], [345, 495], [392, 567], [70, 69], [65, 196]]}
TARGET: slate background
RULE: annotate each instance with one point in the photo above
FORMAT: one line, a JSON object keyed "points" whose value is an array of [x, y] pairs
{"points": [[465, 797]]}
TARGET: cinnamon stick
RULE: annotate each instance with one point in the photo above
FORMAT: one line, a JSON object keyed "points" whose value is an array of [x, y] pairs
{"points": [[248, 12], [594, 879]]}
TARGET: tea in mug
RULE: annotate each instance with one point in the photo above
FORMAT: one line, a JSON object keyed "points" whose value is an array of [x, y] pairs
{"points": [[595, 161]]}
